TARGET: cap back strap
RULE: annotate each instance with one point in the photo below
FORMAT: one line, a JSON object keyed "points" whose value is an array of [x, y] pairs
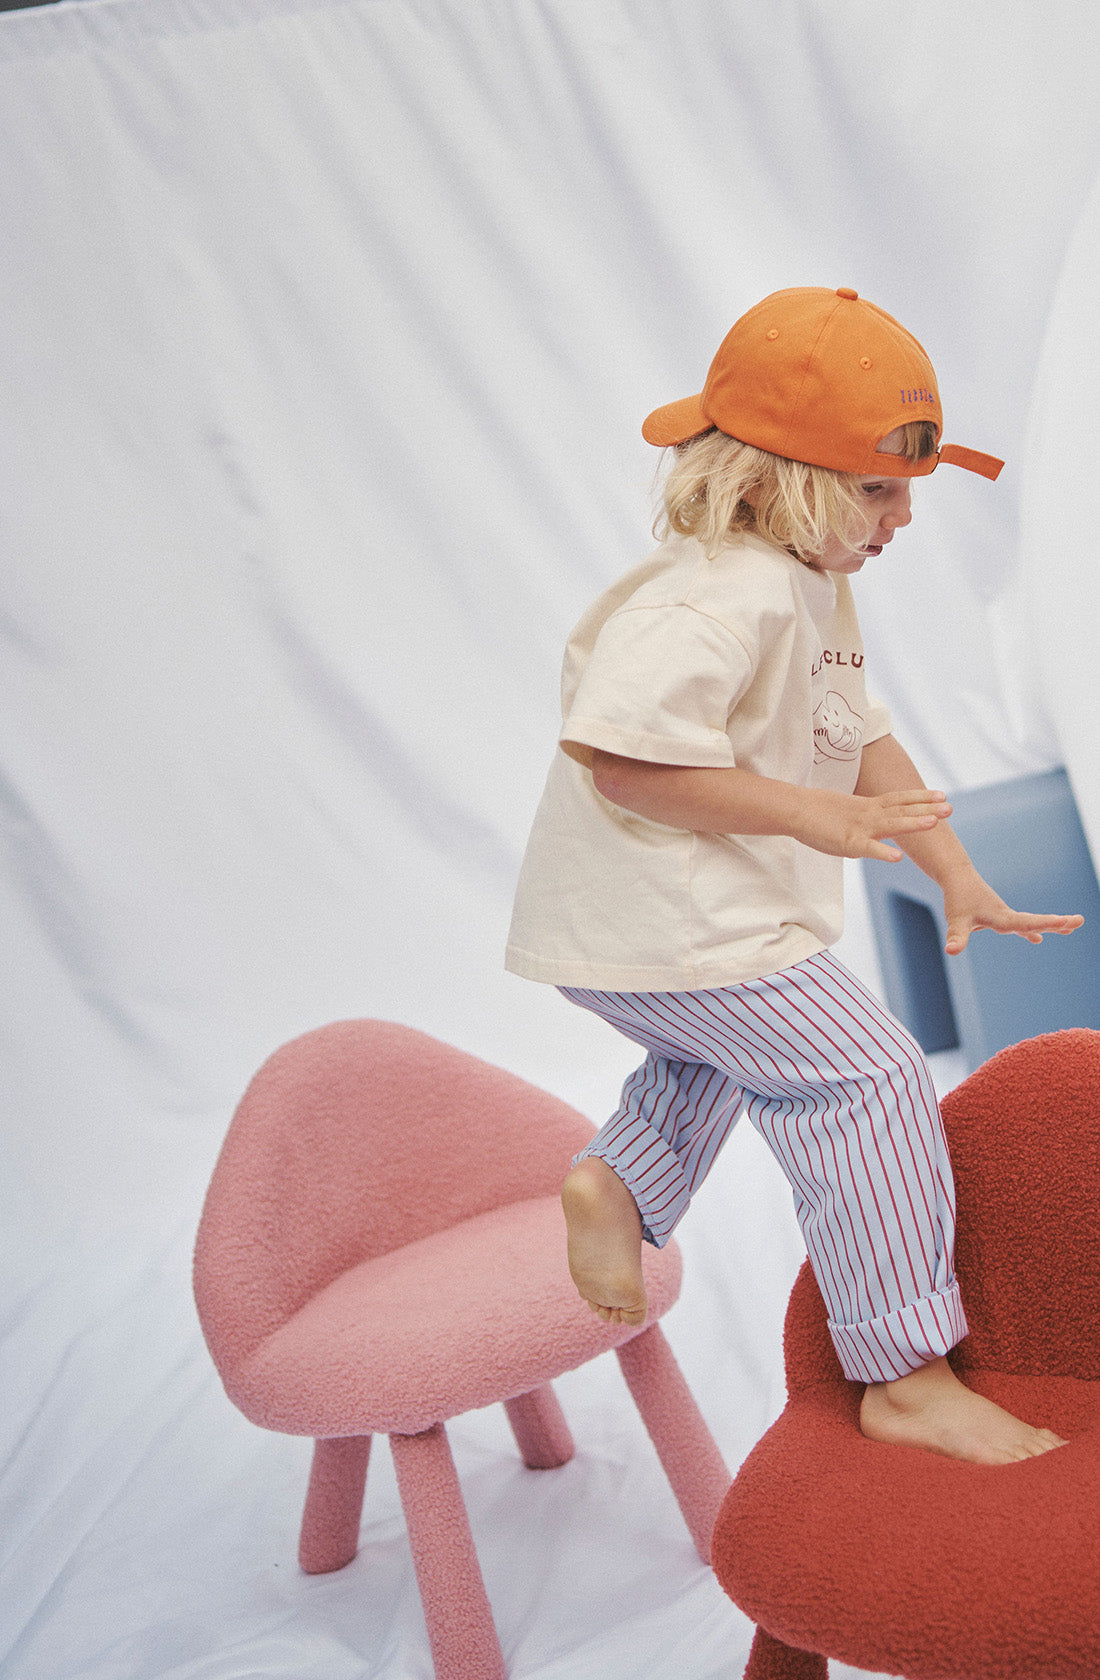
{"points": [[972, 459]]}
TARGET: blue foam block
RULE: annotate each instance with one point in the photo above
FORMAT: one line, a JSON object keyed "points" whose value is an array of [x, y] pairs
{"points": [[1025, 837]]}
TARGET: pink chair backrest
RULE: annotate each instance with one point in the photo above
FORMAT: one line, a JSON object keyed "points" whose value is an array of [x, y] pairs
{"points": [[1024, 1132], [351, 1141]]}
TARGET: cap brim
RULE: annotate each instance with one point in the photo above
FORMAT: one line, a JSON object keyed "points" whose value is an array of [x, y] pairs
{"points": [[676, 422]]}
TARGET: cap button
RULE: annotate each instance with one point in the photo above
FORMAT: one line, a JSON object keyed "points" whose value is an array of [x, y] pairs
{"points": [[846, 292]]}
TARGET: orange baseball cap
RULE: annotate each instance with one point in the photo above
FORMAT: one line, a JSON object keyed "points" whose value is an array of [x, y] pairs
{"points": [[819, 376]]}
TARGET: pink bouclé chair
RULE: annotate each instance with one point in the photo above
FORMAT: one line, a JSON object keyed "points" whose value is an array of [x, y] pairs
{"points": [[382, 1248]]}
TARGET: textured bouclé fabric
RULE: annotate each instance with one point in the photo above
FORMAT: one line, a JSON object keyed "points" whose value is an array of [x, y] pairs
{"points": [[383, 1247], [902, 1561], [376, 1200]]}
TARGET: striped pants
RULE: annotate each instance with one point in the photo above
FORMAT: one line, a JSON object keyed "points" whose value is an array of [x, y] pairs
{"points": [[844, 1099]]}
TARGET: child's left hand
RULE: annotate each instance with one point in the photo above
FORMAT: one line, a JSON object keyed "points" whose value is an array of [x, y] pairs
{"points": [[973, 905]]}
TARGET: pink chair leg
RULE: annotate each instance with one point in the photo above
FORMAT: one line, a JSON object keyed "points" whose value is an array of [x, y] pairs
{"points": [[685, 1446], [539, 1426], [460, 1623], [770, 1659], [334, 1504]]}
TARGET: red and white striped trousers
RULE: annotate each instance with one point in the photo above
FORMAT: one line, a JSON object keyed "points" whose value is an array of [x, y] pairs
{"points": [[843, 1097]]}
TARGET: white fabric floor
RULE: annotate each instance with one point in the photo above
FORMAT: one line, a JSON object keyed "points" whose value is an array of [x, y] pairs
{"points": [[326, 330]]}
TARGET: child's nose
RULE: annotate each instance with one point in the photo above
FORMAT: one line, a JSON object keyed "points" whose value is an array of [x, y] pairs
{"points": [[901, 513]]}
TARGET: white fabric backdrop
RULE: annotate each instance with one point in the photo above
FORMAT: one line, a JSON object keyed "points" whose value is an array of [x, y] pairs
{"points": [[1054, 605], [326, 330]]}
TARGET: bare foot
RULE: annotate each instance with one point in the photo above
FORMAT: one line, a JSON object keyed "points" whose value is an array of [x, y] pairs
{"points": [[605, 1242], [931, 1408]]}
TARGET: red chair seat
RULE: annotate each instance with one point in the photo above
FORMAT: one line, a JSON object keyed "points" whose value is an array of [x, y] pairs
{"points": [[454, 1321], [880, 1555]]}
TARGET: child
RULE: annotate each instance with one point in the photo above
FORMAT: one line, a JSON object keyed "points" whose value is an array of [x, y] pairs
{"points": [[683, 878]]}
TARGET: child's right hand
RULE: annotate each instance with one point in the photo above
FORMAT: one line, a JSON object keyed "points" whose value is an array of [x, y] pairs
{"points": [[857, 825], [735, 801]]}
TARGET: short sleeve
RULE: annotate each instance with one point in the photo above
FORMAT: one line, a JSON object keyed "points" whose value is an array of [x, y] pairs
{"points": [[659, 685]]}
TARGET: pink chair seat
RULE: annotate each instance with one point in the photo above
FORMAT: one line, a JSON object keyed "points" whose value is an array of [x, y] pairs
{"points": [[460, 1319]]}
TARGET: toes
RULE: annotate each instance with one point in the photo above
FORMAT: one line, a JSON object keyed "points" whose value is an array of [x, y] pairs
{"points": [[1043, 1441], [616, 1315]]}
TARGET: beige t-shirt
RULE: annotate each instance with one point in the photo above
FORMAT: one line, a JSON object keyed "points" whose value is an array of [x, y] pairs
{"points": [[747, 659]]}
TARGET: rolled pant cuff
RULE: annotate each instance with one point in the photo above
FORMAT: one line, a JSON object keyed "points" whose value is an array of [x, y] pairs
{"points": [[654, 1178], [883, 1349]]}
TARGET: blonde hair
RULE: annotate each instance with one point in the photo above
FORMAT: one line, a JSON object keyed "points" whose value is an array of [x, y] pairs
{"points": [[718, 486]]}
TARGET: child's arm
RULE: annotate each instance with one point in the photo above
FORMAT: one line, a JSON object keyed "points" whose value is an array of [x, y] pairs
{"points": [[730, 801], [889, 804], [969, 902]]}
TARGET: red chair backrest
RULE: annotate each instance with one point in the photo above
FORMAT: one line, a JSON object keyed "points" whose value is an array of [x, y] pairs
{"points": [[1024, 1133]]}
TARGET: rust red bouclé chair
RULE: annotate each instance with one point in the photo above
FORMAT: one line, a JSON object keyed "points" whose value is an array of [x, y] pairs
{"points": [[382, 1248], [907, 1563]]}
